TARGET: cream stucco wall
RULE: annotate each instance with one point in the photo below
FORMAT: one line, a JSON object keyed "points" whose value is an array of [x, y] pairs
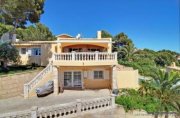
{"points": [[46, 53], [25, 59], [127, 79], [88, 81], [49, 47]]}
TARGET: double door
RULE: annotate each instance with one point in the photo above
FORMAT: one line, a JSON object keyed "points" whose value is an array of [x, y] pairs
{"points": [[72, 79]]}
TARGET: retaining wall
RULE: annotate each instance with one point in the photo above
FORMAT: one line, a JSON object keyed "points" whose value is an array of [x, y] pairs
{"points": [[12, 85]]}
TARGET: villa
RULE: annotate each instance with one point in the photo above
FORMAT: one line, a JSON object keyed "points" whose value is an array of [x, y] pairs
{"points": [[75, 63]]}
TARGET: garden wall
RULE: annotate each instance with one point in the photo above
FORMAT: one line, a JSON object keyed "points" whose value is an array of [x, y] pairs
{"points": [[127, 79], [12, 85]]}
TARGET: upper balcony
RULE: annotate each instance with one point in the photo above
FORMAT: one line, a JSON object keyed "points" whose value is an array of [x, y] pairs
{"points": [[85, 59]]}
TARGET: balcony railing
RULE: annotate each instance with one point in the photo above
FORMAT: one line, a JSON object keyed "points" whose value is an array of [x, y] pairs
{"points": [[85, 56]]}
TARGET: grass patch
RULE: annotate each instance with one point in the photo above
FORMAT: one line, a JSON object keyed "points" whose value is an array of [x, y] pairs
{"points": [[18, 69]]}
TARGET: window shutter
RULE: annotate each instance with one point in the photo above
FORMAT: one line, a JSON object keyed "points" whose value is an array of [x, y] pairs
{"points": [[29, 51], [106, 74], [90, 75]]}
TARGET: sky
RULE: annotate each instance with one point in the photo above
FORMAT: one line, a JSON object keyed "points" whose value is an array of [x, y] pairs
{"points": [[153, 24]]}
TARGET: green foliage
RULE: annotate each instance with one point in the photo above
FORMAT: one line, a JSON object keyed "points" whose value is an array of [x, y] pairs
{"points": [[164, 58], [146, 61], [128, 51], [8, 53], [131, 100], [5, 28], [39, 32], [164, 87], [17, 9], [123, 39], [144, 66], [105, 34]]}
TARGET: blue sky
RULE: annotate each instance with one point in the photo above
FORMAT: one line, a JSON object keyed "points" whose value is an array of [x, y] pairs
{"points": [[150, 24]]}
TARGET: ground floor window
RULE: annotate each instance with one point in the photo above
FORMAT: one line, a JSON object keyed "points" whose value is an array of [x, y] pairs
{"points": [[98, 75], [23, 50], [36, 51], [67, 78]]}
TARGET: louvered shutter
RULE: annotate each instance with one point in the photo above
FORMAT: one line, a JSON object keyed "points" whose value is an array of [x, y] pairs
{"points": [[106, 74]]}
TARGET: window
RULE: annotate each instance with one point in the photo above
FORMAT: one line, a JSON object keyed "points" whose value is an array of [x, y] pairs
{"points": [[93, 50], [72, 79], [36, 51], [77, 78], [75, 49], [23, 50], [67, 78], [98, 75]]}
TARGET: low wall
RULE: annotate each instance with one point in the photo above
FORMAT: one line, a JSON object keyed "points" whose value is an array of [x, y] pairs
{"points": [[71, 109], [12, 85], [127, 79]]}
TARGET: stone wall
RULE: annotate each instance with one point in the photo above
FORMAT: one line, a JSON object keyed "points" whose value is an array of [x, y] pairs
{"points": [[12, 85]]}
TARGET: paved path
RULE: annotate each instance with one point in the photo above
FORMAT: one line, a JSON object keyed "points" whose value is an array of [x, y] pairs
{"points": [[19, 103]]}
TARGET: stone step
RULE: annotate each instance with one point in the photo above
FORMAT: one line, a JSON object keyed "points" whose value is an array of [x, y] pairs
{"points": [[48, 77]]}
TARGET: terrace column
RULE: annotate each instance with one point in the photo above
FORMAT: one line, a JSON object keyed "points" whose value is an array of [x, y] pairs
{"points": [[114, 78], [59, 48], [109, 47], [56, 80]]}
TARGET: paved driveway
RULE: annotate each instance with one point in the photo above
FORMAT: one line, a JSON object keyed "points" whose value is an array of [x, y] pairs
{"points": [[19, 103]]}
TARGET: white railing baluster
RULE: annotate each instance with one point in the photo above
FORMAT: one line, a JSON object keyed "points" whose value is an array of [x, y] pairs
{"points": [[82, 56], [29, 86]]}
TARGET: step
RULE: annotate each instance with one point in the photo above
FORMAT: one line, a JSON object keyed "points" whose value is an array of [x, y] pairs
{"points": [[48, 77]]}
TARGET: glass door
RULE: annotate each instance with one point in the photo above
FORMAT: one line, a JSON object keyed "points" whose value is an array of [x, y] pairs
{"points": [[72, 79], [77, 79], [67, 79]]}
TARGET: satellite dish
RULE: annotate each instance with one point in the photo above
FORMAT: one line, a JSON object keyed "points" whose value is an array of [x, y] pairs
{"points": [[78, 36]]}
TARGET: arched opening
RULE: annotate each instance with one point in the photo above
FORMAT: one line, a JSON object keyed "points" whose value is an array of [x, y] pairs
{"points": [[84, 48]]}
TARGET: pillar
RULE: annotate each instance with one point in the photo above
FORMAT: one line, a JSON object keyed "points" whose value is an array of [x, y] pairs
{"points": [[114, 78], [26, 91], [59, 48], [34, 112], [113, 104], [56, 80], [78, 106]]}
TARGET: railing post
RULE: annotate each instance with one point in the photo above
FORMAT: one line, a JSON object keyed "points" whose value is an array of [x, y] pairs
{"points": [[113, 105], [26, 91], [34, 112], [73, 55], [96, 56], [56, 81], [115, 56], [78, 101]]}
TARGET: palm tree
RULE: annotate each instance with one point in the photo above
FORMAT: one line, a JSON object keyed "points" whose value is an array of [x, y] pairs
{"points": [[165, 87], [128, 50]]}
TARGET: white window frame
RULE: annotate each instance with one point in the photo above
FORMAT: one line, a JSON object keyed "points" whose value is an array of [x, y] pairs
{"points": [[72, 77], [98, 74], [22, 51], [34, 51]]}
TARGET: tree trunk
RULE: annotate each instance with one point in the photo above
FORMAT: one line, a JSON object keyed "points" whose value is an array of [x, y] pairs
{"points": [[2, 63], [5, 64]]}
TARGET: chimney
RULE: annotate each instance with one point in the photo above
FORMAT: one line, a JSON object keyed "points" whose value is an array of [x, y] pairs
{"points": [[98, 34]]}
